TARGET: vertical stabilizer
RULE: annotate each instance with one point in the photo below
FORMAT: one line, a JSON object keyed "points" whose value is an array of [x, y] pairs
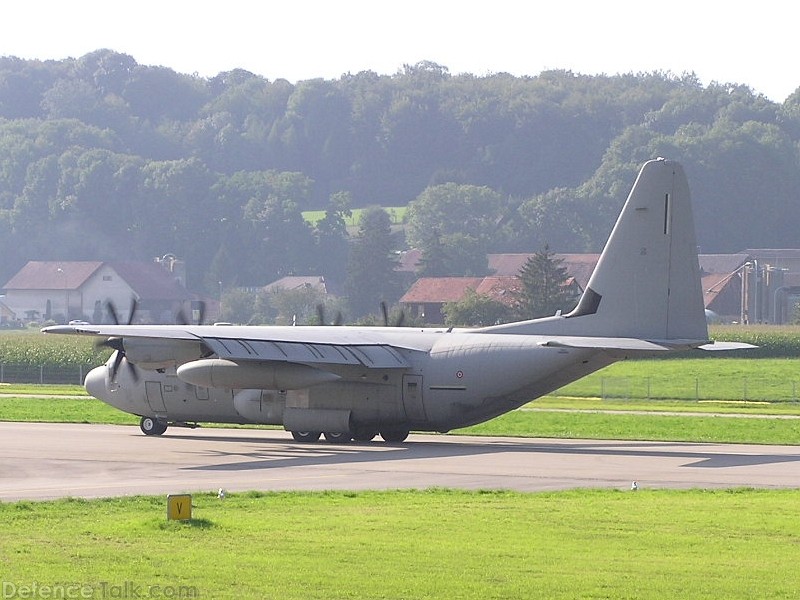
{"points": [[647, 282]]}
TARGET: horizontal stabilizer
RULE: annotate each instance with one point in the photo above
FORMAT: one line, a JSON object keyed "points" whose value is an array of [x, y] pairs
{"points": [[634, 344], [719, 346], [606, 343]]}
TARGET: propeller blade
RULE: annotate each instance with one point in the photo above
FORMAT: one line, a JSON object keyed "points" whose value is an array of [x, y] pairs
{"points": [[400, 319], [339, 319], [321, 313], [114, 343], [112, 312], [132, 370], [134, 307], [117, 362], [201, 312], [385, 312]]}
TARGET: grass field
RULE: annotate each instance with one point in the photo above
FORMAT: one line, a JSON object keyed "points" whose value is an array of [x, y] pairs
{"points": [[416, 544], [397, 213], [774, 379]]}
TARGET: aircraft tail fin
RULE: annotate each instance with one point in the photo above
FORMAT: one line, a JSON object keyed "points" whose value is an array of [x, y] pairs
{"points": [[646, 284]]}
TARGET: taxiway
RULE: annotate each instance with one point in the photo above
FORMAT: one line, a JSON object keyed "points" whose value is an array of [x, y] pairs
{"points": [[42, 461]]}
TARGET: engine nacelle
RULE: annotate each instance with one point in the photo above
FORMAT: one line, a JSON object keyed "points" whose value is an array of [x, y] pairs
{"points": [[260, 406], [263, 375]]}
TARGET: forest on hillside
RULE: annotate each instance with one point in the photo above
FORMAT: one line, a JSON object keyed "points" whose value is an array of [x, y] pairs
{"points": [[102, 158]]}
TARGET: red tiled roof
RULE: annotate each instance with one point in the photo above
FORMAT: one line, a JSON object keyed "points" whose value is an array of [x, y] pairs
{"points": [[55, 275], [150, 281], [440, 289], [579, 266], [409, 260], [721, 263], [503, 289], [713, 284]]}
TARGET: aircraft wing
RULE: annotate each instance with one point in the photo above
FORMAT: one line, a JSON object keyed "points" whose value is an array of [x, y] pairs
{"points": [[172, 332], [335, 346]]}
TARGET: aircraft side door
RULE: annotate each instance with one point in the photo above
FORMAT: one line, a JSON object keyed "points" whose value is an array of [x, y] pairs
{"points": [[155, 397], [412, 398]]}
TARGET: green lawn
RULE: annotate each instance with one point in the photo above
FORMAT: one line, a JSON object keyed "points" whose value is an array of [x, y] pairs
{"points": [[775, 379], [417, 544], [624, 425], [397, 214]]}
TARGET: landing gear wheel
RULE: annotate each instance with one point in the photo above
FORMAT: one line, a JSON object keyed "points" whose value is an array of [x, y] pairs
{"points": [[394, 435], [152, 426], [305, 436], [364, 434], [336, 438]]}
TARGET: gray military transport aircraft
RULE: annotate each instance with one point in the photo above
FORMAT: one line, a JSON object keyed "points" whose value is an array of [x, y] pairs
{"points": [[643, 298]]}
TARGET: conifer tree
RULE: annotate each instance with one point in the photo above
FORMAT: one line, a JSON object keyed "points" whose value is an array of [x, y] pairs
{"points": [[543, 289]]}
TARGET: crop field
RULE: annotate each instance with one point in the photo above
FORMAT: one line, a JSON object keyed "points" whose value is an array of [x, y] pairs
{"points": [[31, 347]]}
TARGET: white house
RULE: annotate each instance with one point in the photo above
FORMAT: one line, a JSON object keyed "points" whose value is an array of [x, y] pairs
{"points": [[65, 290]]}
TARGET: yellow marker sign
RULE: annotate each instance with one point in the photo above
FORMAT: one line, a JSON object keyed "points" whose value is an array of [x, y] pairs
{"points": [[179, 507]]}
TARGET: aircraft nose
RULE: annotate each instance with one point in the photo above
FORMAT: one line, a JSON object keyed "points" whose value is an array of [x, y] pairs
{"points": [[96, 382]]}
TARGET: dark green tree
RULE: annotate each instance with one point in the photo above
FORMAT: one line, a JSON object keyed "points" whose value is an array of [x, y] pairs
{"points": [[331, 234], [371, 275], [455, 226], [476, 310], [543, 287]]}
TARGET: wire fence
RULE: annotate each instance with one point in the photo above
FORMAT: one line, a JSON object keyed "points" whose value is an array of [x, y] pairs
{"points": [[697, 389], [45, 373]]}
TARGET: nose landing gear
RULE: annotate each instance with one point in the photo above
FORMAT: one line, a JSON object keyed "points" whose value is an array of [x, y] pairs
{"points": [[152, 426]]}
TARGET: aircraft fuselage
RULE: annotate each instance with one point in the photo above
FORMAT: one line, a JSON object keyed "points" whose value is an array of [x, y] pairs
{"points": [[461, 380]]}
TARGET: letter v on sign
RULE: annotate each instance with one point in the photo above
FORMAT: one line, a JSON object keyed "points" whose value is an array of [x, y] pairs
{"points": [[179, 507]]}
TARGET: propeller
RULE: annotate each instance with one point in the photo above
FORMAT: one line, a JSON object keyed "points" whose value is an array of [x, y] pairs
{"points": [[180, 317], [401, 317], [115, 343], [321, 316]]}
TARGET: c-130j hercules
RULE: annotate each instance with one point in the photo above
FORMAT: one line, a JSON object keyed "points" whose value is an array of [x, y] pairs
{"points": [[643, 298]]}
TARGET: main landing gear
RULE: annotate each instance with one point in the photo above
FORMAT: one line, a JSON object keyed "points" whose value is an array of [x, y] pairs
{"points": [[392, 436]]}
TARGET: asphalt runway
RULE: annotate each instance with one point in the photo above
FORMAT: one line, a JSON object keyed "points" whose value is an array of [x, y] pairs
{"points": [[41, 461]]}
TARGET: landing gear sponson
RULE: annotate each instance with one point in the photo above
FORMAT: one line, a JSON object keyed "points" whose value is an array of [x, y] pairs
{"points": [[360, 435]]}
